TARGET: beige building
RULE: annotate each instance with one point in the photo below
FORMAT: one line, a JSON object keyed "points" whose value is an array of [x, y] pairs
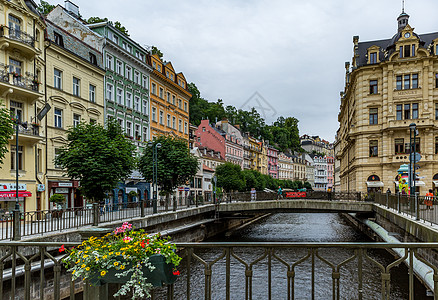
{"points": [[75, 80], [22, 92], [391, 84], [286, 167]]}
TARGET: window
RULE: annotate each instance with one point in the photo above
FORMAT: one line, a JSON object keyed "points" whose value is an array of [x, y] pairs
{"points": [[414, 81], [58, 118], [76, 120], [407, 111], [136, 77], [159, 68], [154, 65], [161, 117], [14, 26], [179, 103], [145, 107], [124, 45], [399, 112], [58, 39], [137, 132], [154, 114], [407, 51], [173, 99], [109, 91], [161, 93], [168, 120], [16, 109], [116, 39], [109, 61], [185, 127], [413, 50], [137, 103], [373, 57], [14, 158], [93, 58], [373, 148], [180, 125], [76, 87], [407, 82], [145, 134], [399, 82], [92, 94], [417, 145], [40, 160], [168, 97], [145, 82], [399, 146], [173, 122], [436, 49], [373, 116], [128, 128], [120, 123], [119, 96], [119, 67], [129, 48], [436, 80], [154, 88], [167, 74], [414, 110], [373, 86], [128, 72], [129, 99], [93, 121], [185, 106], [57, 79]]}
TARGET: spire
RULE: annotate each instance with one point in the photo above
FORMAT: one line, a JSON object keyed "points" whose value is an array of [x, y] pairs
{"points": [[403, 18]]}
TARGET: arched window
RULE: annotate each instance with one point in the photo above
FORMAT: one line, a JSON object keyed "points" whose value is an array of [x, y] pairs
{"points": [[373, 178], [435, 177]]}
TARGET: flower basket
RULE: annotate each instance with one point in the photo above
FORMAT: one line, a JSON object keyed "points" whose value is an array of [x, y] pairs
{"points": [[133, 258], [162, 274]]}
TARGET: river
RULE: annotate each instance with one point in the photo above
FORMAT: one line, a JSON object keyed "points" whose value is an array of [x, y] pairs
{"points": [[297, 227]]}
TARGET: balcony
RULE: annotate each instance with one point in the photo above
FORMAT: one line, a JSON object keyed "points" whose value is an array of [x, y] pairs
{"points": [[17, 39], [24, 86], [29, 134]]}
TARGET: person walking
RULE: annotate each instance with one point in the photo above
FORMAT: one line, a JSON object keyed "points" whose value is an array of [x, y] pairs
{"points": [[279, 193], [429, 200]]}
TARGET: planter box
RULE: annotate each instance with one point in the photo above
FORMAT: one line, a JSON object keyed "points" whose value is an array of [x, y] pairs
{"points": [[162, 274]]}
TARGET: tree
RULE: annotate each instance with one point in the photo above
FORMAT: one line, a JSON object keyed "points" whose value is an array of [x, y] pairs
{"points": [[230, 177], [94, 20], [45, 7], [176, 165], [98, 156], [6, 131], [121, 28], [157, 51]]}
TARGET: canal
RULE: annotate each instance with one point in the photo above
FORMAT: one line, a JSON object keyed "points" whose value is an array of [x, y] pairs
{"points": [[297, 227]]}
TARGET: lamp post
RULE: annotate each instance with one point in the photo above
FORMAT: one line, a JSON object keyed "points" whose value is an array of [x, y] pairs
{"points": [[412, 155], [214, 189], [154, 175]]}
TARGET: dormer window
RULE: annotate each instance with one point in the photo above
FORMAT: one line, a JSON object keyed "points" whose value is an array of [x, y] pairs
{"points": [[373, 57], [407, 52], [58, 39]]}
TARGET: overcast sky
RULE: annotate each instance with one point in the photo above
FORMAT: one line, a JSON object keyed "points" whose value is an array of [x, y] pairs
{"points": [[291, 53]]}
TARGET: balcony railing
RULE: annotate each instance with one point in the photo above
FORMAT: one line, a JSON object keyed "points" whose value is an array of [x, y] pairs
{"points": [[33, 130], [17, 35], [26, 82]]}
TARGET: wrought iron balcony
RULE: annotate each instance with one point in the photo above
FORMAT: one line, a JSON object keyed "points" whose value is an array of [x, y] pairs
{"points": [[17, 35], [26, 82], [15, 38]]}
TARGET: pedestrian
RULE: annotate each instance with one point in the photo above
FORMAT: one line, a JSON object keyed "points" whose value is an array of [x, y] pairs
{"points": [[388, 191], [253, 194], [429, 200], [329, 194], [279, 193]]}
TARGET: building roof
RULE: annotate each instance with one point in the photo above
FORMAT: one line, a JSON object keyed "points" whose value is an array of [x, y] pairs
{"points": [[205, 168]]}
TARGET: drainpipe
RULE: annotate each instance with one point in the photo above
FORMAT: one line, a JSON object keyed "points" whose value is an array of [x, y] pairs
{"points": [[45, 119]]}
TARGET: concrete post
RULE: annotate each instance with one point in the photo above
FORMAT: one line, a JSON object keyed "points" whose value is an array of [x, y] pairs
{"points": [[95, 214], [16, 224], [175, 203], [398, 202]]}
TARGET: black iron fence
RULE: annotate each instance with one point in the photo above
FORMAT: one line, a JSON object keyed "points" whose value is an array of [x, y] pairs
{"points": [[35, 271]]}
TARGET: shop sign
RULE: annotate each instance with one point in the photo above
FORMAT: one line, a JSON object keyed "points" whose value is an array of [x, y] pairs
{"points": [[41, 187], [180, 189], [61, 190], [65, 184], [130, 189], [186, 189], [12, 187]]}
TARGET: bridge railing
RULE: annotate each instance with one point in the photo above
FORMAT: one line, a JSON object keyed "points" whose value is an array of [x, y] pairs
{"points": [[35, 271]]}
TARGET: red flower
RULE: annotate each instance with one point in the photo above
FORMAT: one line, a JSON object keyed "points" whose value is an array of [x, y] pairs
{"points": [[142, 244], [62, 249], [175, 272]]}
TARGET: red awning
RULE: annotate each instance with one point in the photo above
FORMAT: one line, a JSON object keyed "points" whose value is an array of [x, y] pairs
{"points": [[13, 194]]}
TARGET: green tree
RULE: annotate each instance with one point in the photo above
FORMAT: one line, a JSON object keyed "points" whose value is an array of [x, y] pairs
{"points": [[121, 28], [45, 7], [307, 185], [6, 131], [230, 177], [98, 156], [157, 51], [94, 20], [176, 165]]}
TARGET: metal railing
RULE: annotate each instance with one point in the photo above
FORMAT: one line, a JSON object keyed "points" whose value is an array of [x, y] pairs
{"points": [[272, 265], [26, 82], [18, 35]]}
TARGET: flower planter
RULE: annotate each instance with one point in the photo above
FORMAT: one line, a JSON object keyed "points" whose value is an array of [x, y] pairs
{"points": [[162, 274]]}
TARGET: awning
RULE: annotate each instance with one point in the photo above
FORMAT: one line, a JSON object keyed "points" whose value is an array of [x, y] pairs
{"points": [[435, 182], [14, 194], [419, 183], [374, 184]]}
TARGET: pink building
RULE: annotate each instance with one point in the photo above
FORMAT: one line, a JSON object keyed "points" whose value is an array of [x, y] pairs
{"points": [[330, 175], [209, 136], [272, 162]]}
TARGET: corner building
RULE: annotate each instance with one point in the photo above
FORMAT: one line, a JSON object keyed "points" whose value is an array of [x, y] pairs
{"points": [[391, 84]]}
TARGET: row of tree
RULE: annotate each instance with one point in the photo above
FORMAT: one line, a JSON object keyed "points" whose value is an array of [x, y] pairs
{"points": [[283, 133], [230, 177]]}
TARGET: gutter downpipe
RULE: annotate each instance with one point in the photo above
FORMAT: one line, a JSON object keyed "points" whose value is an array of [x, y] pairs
{"points": [[421, 269], [45, 120]]}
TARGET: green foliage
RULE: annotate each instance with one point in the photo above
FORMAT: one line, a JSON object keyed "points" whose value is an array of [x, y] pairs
{"points": [[45, 7], [121, 28], [117, 24], [57, 198], [157, 51], [94, 20], [307, 185], [316, 153], [176, 165], [6, 131], [230, 177], [97, 156]]}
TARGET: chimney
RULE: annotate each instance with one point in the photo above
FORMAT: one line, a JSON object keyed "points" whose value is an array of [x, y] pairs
{"points": [[72, 8]]}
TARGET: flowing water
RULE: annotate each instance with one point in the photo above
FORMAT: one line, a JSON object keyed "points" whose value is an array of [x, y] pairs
{"points": [[297, 227]]}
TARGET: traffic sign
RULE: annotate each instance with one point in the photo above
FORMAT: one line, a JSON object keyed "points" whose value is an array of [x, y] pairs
{"points": [[417, 156], [186, 189]]}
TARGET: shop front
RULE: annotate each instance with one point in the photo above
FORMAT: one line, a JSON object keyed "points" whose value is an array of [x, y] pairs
{"points": [[69, 189], [374, 184], [8, 196]]}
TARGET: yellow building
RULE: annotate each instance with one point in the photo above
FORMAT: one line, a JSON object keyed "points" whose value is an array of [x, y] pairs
{"points": [[392, 83], [75, 80], [254, 154], [22, 91], [169, 100], [263, 158]]}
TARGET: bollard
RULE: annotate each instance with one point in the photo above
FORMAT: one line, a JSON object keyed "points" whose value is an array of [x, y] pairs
{"points": [[95, 214], [95, 292], [175, 203], [16, 224]]}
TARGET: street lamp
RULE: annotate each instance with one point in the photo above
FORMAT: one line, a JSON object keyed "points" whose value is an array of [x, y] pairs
{"points": [[412, 153], [214, 189], [154, 175]]}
